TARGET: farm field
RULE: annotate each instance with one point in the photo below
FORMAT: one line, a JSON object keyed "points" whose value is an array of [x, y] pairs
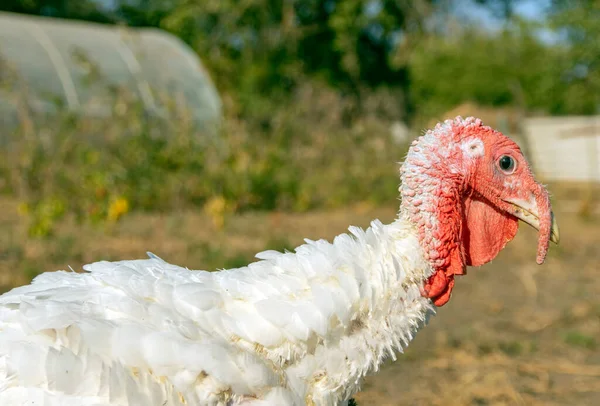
{"points": [[514, 333]]}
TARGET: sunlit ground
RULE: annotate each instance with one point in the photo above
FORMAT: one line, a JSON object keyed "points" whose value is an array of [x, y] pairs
{"points": [[514, 333]]}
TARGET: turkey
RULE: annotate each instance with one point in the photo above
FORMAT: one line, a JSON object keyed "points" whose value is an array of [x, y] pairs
{"points": [[290, 329]]}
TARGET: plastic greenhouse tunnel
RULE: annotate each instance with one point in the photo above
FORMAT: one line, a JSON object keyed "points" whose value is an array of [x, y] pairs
{"points": [[92, 69]]}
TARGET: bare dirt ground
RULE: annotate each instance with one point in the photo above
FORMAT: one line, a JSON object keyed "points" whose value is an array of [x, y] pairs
{"points": [[514, 333]]}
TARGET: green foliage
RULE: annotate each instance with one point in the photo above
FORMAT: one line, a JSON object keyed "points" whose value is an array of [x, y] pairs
{"points": [[348, 41], [258, 48], [133, 163], [509, 68], [215, 257], [577, 21], [80, 9], [261, 51], [511, 348], [280, 243]]}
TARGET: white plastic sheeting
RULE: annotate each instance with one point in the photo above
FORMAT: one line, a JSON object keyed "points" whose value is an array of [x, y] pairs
{"points": [[83, 66]]}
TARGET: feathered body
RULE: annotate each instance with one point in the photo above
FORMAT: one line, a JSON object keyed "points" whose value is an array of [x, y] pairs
{"points": [[293, 328]]}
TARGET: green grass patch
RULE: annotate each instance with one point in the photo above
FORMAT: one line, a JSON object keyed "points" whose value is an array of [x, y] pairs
{"points": [[580, 340]]}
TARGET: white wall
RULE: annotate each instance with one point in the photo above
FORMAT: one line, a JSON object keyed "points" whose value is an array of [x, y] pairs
{"points": [[564, 148]]}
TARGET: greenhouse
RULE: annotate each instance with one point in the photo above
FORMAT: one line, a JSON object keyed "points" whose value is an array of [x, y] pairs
{"points": [[91, 69]]}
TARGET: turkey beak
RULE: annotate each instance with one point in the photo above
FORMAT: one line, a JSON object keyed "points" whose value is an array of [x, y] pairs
{"points": [[537, 213], [527, 211]]}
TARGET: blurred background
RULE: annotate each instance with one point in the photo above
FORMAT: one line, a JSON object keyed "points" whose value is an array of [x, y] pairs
{"points": [[206, 131]]}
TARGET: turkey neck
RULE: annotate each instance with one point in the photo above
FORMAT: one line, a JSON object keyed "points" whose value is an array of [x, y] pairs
{"points": [[371, 299]]}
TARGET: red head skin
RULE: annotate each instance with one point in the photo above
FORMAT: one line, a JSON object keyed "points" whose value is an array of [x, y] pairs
{"points": [[457, 195]]}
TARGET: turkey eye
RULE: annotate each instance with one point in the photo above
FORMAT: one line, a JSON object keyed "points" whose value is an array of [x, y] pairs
{"points": [[507, 164]]}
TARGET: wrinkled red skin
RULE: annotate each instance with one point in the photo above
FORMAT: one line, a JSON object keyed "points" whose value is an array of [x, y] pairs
{"points": [[474, 220], [439, 287]]}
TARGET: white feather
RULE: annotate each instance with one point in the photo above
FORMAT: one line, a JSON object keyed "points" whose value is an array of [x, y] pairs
{"points": [[293, 328]]}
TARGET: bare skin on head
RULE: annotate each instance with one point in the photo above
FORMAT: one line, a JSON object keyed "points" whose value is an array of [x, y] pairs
{"points": [[465, 186]]}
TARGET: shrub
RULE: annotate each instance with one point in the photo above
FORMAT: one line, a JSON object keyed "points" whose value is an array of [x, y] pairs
{"points": [[302, 154]]}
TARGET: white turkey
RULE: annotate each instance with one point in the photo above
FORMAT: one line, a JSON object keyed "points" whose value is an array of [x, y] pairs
{"points": [[291, 329]]}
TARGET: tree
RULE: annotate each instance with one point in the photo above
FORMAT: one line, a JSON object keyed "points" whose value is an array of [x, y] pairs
{"points": [[511, 67], [81, 9], [269, 46], [577, 22], [260, 51]]}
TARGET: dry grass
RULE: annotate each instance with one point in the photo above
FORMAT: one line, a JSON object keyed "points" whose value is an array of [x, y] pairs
{"points": [[188, 238], [514, 333]]}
